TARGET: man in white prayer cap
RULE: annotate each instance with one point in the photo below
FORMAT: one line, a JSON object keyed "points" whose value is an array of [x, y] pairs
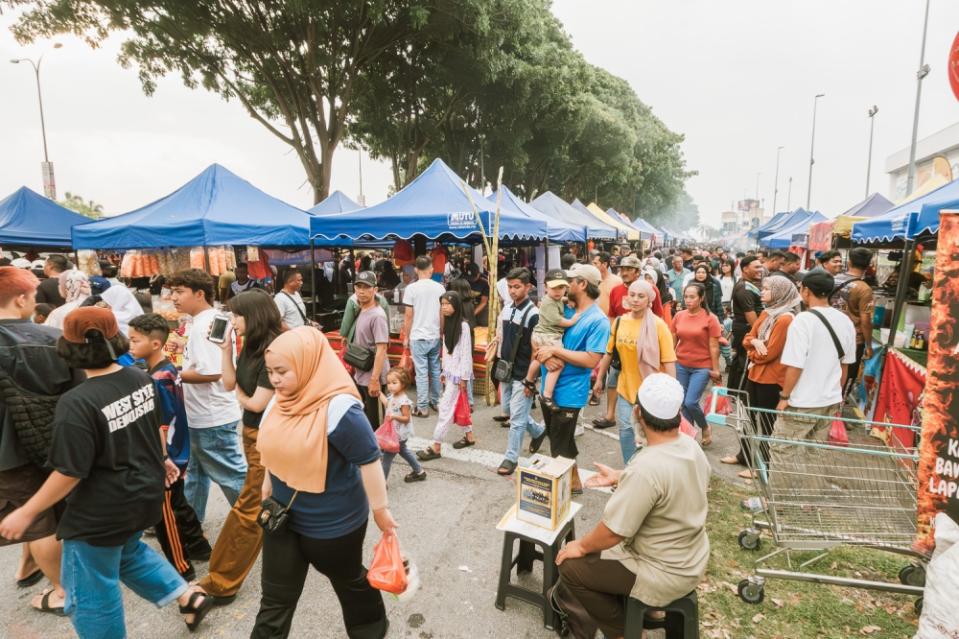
{"points": [[651, 543]]}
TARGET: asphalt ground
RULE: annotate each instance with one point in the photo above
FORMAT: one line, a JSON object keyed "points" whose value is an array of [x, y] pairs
{"points": [[447, 528]]}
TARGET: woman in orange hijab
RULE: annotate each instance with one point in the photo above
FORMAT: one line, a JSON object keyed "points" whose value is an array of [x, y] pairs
{"points": [[322, 461]]}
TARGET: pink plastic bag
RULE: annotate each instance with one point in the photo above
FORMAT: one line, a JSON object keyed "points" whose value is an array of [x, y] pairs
{"points": [[837, 433], [387, 437], [686, 428]]}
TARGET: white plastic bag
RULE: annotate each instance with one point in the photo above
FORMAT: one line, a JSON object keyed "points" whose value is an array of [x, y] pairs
{"points": [[940, 615]]}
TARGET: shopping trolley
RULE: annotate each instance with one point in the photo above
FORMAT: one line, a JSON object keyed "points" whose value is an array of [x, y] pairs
{"points": [[817, 496]]}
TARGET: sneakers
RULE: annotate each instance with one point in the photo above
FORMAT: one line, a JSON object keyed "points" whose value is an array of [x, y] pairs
{"points": [[410, 478], [420, 413]]}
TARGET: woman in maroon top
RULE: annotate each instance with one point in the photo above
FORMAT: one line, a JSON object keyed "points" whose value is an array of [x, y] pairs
{"points": [[696, 332]]}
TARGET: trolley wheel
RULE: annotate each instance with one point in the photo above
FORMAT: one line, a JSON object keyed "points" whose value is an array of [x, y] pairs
{"points": [[751, 592], [918, 606], [913, 575], [749, 539]]}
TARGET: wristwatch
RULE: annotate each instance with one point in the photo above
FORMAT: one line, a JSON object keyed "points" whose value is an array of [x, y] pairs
{"points": [[781, 396]]}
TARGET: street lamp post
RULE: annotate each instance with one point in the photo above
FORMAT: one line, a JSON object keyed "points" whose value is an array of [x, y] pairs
{"points": [[789, 194], [920, 75], [872, 124], [812, 146], [776, 180], [46, 168]]}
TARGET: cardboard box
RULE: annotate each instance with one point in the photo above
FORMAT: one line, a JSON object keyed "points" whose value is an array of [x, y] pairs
{"points": [[544, 491]]}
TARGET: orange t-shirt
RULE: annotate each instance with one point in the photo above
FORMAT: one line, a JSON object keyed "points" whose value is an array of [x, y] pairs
{"points": [[693, 333]]}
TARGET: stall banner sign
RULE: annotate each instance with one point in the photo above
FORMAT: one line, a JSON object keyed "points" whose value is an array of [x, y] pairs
{"points": [[938, 469], [900, 395], [953, 67], [820, 236]]}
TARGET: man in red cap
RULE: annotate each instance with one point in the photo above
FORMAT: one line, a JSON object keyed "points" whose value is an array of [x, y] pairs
{"points": [[108, 463]]}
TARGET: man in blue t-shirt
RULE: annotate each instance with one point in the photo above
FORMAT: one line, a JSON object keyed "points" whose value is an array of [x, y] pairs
{"points": [[584, 344]]}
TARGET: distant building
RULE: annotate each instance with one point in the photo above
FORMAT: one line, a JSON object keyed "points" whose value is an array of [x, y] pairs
{"points": [[936, 156], [744, 216]]}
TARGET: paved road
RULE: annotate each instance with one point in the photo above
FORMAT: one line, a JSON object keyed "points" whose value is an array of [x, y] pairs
{"points": [[447, 526]]}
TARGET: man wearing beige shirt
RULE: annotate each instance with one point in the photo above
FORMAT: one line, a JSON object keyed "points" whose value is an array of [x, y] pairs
{"points": [[651, 543]]}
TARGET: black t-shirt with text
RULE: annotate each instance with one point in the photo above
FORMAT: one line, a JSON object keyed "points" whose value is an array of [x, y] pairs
{"points": [[745, 299], [250, 375], [107, 433]]}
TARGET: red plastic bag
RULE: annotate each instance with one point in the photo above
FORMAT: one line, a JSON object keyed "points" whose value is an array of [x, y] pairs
{"points": [[686, 428], [722, 405], [387, 437], [462, 416], [837, 433], [387, 572]]}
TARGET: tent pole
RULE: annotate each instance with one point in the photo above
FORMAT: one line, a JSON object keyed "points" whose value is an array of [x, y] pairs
{"points": [[902, 289], [313, 279], [546, 255]]}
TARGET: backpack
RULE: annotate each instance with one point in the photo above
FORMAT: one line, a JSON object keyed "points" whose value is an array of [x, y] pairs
{"points": [[32, 417]]}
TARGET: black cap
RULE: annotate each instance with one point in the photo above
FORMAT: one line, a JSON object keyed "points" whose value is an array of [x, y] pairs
{"points": [[820, 283], [556, 277], [365, 278]]}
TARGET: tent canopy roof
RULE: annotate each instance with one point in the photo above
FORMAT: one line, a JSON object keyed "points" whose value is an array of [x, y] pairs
{"points": [[798, 223], [29, 219], [335, 202], [558, 230], [216, 207], [554, 207], [646, 227], [783, 222], [912, 218], [776, 219], [433, 205], [625, 229]]}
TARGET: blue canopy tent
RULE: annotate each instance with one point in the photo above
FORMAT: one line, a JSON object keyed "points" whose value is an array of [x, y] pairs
{"points": [[335, 202], [433, 205], [910, 219], [619, 217], [872, 206], [784, 222], [28, 219], [775, 221], [216, 207], [555, 208], [782, 238], [558, 231], [646, 227]]}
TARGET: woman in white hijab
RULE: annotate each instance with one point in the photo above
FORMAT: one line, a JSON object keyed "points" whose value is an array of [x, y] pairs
{"points": [[75, 288]]}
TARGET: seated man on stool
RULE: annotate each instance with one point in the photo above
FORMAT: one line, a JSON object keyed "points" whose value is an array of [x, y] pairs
{"points": [[651, 543]]}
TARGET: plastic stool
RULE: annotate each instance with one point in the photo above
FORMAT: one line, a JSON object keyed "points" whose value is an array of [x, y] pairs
{"points": [[681, 622], [523, 561]]}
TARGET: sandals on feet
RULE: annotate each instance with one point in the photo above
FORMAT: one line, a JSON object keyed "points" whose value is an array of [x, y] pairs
{"points": [[732, 460], [198, 611], [30, 580], [707, 438], [411, 477], [463, 443], [536, 443], [428, 454], [602, 422], [506, 468], [45, 604]]}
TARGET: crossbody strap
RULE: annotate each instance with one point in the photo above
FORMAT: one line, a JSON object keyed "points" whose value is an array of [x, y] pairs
{"points": [[615, 331], [832, 333], [297, 307], [522, 327]]}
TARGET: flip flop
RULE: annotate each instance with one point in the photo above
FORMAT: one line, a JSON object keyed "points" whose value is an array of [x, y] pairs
{"points": [[506, 468], [427, 454], [30, 580], [45, 604]]}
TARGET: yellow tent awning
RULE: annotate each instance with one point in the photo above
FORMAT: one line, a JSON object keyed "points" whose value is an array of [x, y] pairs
{"points": [[631, 233]]}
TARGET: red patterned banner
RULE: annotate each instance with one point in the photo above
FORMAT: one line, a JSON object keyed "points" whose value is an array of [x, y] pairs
{"points": [[939, 448]]}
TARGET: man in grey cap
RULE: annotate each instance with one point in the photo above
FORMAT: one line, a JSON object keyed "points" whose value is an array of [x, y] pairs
{"points": [[651, 543], [372, 332], [583, 346]]}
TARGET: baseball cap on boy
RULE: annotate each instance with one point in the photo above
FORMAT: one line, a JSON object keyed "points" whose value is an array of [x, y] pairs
{"points": [[556, 277]]}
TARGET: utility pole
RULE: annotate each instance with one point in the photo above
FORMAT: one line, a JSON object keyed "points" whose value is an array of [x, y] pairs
{"points": [[920, 75], [46, 167], [776, 181], [872, 123], [812, 146], [359, 163], [789, 194]]}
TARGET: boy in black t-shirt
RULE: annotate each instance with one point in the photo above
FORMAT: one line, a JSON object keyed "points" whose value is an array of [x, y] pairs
{"points": [[108, 464]]}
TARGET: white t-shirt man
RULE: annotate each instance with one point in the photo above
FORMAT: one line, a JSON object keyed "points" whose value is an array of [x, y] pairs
{"points": [[810, 349], [292, 309], [209, 404], [424, 297]]}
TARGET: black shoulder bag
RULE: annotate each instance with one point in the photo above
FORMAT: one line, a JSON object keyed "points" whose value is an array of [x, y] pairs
{"points": [[503, 369], [615, 363], [32, 417], [835, 340], [274, 515]]}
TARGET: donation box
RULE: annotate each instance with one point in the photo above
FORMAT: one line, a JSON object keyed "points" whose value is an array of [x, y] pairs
{"points": [[543, 491]]}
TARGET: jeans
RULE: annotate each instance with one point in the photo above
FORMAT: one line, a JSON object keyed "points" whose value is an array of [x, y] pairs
{"points": [[407, 456], [519, 420], [506, 394], [426, 364], [287, 557], [92, 576], [215, 455], [694, 382], [627, 431]]}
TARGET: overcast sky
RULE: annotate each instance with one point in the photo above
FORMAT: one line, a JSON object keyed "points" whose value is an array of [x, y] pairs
{"points": [[737, 78]]}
